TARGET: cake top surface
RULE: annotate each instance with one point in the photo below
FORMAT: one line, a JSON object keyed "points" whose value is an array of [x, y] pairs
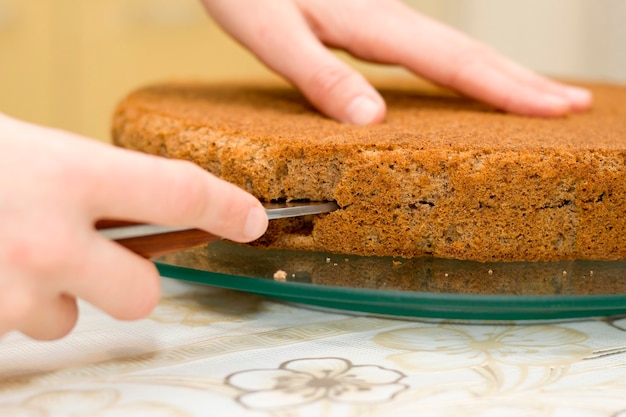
{"points": [[418, 114]]}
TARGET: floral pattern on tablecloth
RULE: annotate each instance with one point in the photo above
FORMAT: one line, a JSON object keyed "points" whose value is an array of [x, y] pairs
{"points": [[304, 381], [207, 351]]}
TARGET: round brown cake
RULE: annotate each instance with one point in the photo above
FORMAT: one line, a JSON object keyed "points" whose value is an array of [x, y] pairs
{"points": [[443, 176]]}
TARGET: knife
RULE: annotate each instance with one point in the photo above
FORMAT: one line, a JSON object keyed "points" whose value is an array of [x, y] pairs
{"points": [[150, 240]]}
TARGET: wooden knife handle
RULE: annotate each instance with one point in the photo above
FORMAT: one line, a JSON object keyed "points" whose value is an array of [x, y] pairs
{"points": [[154, 245]]}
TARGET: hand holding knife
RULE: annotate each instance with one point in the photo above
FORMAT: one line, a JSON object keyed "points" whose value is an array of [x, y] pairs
{"points": [[149, 240]]}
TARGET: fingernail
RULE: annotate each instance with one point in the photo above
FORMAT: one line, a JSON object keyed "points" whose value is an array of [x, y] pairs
{"points": [[579, 95], [362, 111], [256, 223]]}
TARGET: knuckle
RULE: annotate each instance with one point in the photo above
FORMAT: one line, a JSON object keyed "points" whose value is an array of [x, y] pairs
{"points": [[509, 102], [214, 206], [188, 194], [463, 62], [327, 80], [228, 212], [71, 174], [49, 252]]}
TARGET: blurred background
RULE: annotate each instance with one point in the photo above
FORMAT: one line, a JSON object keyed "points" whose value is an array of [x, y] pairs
{"points": [[66, 63]]}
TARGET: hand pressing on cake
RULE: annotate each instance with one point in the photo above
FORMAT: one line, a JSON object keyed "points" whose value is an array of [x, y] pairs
{"points": [[54, 186], [292, 37]]}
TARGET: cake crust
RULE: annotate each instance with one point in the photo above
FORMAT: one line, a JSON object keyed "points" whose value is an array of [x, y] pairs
{"points": [[443, 176]]}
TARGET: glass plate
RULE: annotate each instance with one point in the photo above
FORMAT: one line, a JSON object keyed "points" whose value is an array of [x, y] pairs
{"points": [[423, 287]]}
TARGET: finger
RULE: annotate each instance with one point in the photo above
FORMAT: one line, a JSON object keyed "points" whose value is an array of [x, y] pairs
{"points": [[477, 71], [135, 186], [504, 92], [117, 281], [500, 82], [127, 185], [52, 319], [580, 98], [278, 35], [448, 57]]}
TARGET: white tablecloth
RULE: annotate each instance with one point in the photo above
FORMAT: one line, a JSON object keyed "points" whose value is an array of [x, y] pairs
{"points": [[214, 352]]}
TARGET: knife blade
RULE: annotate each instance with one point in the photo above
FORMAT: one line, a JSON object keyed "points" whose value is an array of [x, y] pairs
{"points": [[149, 240]]}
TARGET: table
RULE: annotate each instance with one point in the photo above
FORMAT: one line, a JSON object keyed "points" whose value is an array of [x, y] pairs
{"points": [[212, 352]]}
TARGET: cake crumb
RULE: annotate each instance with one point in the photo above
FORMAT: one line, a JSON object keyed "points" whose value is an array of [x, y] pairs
{"points": [[590, 273], [396, 263], [564, 273], [280, 275], [490, 272], [327, 260]]}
